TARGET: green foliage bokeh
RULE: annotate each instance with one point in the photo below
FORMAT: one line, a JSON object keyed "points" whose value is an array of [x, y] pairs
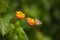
{"points": [[48, 11]]}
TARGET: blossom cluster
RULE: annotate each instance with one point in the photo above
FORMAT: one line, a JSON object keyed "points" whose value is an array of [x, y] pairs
{"points": [[30, 21]]}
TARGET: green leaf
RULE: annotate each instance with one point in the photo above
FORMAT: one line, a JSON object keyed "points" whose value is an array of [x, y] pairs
{"points": [[4, 24], [17, 23], [21, 34]]}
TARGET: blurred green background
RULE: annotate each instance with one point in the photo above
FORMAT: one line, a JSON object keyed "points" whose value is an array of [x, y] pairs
{"points": [[48, 11]]}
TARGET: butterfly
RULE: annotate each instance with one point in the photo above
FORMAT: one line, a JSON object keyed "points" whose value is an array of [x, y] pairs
{"points": [[38, 22]]}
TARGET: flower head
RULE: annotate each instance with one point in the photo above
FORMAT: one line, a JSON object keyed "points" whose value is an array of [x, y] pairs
{"points": [[20, 15], [30, 21]]}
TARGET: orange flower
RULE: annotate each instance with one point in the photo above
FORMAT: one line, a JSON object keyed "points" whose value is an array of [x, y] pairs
{"points": [[30, 21], [20, 15]]}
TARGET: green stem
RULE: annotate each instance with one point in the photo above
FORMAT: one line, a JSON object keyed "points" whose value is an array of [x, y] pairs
{"points": [[38, 33]]}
